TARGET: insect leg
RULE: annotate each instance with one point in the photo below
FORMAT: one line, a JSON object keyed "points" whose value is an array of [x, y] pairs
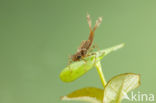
{"points": [[84, 60], [91, 49], [95, 46], [98, 22], [69, 61]]}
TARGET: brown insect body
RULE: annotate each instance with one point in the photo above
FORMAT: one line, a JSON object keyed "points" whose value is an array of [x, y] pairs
{"points": [[86, 44]]}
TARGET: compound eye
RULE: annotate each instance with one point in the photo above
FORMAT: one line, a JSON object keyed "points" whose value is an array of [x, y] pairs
{"points": [[78, 57]]}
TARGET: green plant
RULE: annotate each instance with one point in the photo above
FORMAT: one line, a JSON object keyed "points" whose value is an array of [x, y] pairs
{"points": [[114, 91]]}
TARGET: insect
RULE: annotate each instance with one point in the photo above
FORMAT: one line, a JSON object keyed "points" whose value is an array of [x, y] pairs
{"points": [[85, 46]]}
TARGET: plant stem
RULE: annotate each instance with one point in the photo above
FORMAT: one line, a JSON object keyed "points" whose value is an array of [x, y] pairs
{"points": [[99, 69]]}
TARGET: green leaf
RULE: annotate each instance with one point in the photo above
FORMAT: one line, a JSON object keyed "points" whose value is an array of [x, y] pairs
{"points": [[79, 68], [90, 94], [118, 87], [100, 54]]}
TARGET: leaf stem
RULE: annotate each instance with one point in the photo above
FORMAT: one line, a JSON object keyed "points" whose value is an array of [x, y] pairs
{"points": [[99, 69]]}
